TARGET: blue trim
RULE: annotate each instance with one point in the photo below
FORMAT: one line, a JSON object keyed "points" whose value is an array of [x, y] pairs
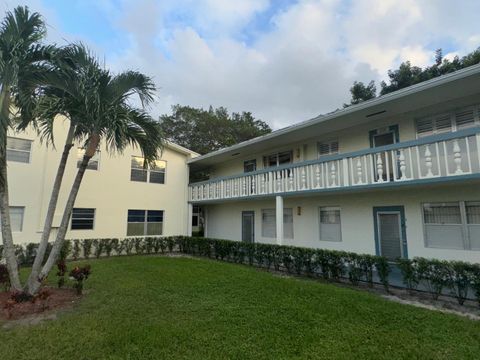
{"points": [[249, 212], [323, 159], [356, 188], [401, 210]]}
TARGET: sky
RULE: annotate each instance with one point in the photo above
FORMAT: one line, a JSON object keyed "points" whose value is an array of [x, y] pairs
{"points": [[285, 61]]}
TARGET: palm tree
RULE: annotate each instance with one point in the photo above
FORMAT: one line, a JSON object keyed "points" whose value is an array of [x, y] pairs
{"points": [[22, 59], [99, 106]]}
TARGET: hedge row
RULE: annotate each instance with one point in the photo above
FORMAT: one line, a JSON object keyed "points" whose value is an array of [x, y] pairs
{"points": [[436, 276]]}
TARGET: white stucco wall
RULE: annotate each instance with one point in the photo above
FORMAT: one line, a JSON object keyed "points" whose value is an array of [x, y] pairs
{"points": [[224, 220], [108, 190]]}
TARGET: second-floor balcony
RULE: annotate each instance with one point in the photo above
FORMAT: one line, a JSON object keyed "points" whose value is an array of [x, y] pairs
{"points": [[438, 158]]}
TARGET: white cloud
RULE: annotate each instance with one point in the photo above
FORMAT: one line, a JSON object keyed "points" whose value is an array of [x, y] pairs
{"points": [[299, 64]]}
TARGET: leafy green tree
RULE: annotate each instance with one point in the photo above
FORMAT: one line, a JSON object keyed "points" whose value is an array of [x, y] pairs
{"points": [[361, 92], [22, 58], [204, 131], [100, 108]]}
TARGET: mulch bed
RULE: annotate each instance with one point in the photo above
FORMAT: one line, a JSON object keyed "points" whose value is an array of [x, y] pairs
{"points": [[59, 299]]}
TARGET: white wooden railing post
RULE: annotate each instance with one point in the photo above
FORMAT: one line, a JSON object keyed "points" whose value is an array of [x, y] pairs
{"points": [[457, 157]]}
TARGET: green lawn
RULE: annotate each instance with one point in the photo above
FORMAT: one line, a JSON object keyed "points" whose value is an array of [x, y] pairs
{"points": [[179, 308]]}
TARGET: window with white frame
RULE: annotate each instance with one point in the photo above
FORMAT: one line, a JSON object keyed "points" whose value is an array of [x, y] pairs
{"points": [[452, 225], [330, 224], [16, 218], [327, 148], [152, 174], [92, 163], [269, 229], [145, 222], [82, 219], [18, 150], [458, 119]]}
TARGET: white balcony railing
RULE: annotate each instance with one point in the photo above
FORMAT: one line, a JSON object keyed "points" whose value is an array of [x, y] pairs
{"points": [[441, 156]]}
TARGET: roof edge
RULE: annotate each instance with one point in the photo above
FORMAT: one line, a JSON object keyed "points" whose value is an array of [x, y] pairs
{"points": [[425, 85]]}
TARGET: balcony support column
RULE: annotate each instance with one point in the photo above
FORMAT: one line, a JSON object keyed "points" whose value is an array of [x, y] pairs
{"points": [[189, 219], [279, 219]]}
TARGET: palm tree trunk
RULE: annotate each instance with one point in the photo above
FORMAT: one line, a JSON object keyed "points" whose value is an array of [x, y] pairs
{"points": [[47, 227], [62, 231], [9, 249]]}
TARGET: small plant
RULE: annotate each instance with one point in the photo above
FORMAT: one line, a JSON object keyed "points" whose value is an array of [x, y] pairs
{"points": [[61, 271], [476, 282], [42, 296], [21, 297], [8, 307], [4, 277], [79, 275]]}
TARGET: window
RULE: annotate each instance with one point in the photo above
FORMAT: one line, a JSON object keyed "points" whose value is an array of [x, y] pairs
{"points": [[92, 163], [328, 148], [83, 219], [278, 159], [330, 224], [16, 218], [154, 174], [18, 150], [269, 229], [452, 225], [145, 222], [249, 165], [451, 121]]}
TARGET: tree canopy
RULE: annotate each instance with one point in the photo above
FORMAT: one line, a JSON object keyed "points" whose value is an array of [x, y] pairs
{"points": [[207, 130], [407, 75]]}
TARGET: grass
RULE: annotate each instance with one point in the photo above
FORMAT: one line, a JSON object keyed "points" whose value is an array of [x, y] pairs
{"points": [[180, 308]]}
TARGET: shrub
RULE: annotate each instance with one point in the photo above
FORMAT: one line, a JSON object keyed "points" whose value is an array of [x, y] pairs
{"points": [[476, 282], [76, 249], [383, 270], [435, 274], [149, 245], [99, 246], [461, 275], [65, 250], [139, 245], [29, 254], [87, 248], [61, 271], [367, 264], [127, 245], [410, 274], [355, 270], [79, 275], [108, 246]]}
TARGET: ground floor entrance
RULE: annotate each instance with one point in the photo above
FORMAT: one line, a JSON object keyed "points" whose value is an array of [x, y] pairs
{"points": [[248, 226], [390, 232]]}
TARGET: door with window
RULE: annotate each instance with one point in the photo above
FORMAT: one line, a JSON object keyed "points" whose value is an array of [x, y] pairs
{"points": [[384, 137], [248, 226], [390, 232]]}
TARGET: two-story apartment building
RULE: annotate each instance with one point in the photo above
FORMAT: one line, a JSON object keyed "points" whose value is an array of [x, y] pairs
{"points": [[117, 198], [398, 175]]}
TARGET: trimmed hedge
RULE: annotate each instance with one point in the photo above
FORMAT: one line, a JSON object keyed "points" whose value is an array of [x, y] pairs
{"points": [[435, 275]]}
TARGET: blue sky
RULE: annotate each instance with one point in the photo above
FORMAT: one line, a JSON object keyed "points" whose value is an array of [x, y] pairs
{"points": [[283, 60]]}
